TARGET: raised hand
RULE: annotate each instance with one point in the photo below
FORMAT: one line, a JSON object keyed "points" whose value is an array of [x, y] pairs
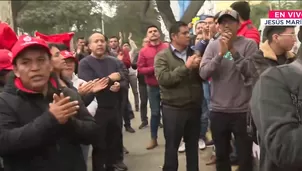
{"points": [[100, 85], [115, 87], [193, 61], [130, 36], [225, 42], [223, 48], [62, 108], [85, 88]]}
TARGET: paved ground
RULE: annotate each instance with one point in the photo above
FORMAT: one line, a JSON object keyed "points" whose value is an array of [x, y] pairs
{"points": [[140, 159]]}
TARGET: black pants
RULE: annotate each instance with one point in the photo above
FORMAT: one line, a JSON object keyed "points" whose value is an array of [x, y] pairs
{"points": [[178, 123], [106, 151], [143, 94], [124, 100], [222, 126]]}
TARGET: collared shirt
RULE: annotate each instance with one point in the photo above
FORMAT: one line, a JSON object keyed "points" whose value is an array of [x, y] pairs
{"points": [[182, 55]]}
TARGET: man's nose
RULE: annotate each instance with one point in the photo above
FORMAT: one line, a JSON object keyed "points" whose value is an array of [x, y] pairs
{"points": [[35, 66]]}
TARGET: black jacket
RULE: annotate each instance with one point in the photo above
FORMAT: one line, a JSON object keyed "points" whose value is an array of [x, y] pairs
{"points": [[265, 58], [140, 77], [31, 138], [277, 111]]}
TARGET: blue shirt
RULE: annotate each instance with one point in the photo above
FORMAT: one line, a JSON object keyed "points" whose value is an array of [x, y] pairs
{"points": [[182, 55]]}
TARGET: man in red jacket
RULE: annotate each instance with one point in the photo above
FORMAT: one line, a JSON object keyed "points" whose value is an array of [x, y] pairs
{"points": [[116, 51], [145, 66], [247, 29]]}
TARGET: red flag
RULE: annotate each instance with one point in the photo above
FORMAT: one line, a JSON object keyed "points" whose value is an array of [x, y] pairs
{"points": [[63, 38], [7, 36]]}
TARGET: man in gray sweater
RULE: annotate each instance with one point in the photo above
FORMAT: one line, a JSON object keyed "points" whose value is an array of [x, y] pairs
{"points": [[225, 61]]}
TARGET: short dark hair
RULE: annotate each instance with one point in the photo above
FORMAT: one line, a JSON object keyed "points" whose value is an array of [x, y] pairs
{"points": [[216, 16], [152, 26], [86, 43], [174, 29], [243, 9], [79, 38], [126, 43], [269, 31], [60, 46], [114, 37]]}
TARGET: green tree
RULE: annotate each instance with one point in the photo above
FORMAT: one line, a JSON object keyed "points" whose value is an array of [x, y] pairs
{"points": [[55, 16], [127, 19], [259, 11]]}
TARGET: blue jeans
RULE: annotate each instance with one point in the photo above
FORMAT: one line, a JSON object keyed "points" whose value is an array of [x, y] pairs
{"points": [[205, 110], [154, 100], [207, 91]]}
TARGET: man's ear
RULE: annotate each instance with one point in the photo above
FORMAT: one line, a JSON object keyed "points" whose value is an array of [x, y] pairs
{"points": [[16, 72], [172, 35]]}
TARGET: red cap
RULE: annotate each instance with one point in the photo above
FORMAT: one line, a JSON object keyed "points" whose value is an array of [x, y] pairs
{"points": [[6, 60], [7, 36], [26, 41], [66, 54]]}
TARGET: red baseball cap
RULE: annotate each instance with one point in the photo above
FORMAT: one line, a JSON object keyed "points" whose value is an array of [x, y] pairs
{"points": [[26, 41], [66, 54], [7, 36], [6, 60]]}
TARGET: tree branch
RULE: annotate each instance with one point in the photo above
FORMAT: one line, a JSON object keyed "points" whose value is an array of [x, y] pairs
{"points": [[192, 10], [17, 6], [166, 12], [143, 14]]}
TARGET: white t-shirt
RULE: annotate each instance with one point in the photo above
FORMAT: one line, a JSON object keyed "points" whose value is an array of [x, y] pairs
{"points": [[76, 83]]}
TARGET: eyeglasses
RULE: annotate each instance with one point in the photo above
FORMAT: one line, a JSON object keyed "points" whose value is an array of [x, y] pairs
{"points": [[292, 34]]}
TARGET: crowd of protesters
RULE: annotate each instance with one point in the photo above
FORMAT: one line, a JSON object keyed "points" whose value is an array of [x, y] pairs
{"points": [[221, 87]]}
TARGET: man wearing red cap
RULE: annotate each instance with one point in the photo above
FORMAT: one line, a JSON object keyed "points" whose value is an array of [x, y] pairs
{"points": [[7, 36], [81, 86], [42, 124]]}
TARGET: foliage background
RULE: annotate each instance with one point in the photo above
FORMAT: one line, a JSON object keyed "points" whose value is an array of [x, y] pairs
{"points": [[84, 17]]}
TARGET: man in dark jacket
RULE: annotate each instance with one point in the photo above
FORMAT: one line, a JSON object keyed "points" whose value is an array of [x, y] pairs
{"points": [[276, 110], [176, 70], [5, 67], [100, 65], [276, 50], [41, 123]]}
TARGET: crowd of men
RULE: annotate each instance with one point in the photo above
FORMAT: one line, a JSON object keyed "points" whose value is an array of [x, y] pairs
{"points": [[55, 103]]}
